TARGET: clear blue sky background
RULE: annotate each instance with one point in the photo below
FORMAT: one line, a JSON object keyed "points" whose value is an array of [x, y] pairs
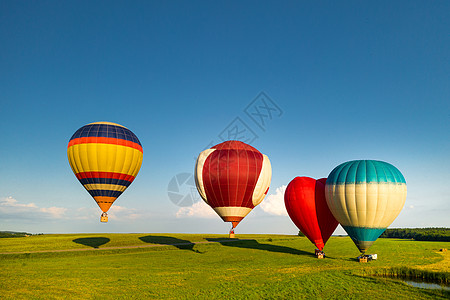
{"points": [[354, 80]]}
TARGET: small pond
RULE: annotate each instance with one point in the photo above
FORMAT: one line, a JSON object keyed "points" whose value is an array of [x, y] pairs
{"points": [[427, 285]]}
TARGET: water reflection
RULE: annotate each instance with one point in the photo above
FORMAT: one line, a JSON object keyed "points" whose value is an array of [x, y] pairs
{"points": [[426, 285]]}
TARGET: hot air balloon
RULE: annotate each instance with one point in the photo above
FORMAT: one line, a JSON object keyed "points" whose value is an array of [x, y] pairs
{"points": [[105, 157], [233, 178], [307, 207], [365, 196]]}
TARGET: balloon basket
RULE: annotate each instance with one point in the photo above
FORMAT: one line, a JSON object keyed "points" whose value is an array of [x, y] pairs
{"points": [[362, 259], [104, 218], [320, 254], [232, 233]]}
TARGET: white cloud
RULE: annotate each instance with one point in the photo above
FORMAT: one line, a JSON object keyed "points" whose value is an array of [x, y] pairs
{"points": [[274, 203], [13, 203], [86, 213], [117, 212], [198, 210], [55, 212], [11, 208]]}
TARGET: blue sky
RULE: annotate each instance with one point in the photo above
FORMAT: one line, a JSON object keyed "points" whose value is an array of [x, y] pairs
{"points": [[350, 79]]}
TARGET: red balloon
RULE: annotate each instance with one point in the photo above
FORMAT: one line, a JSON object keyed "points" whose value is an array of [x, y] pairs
{"points": [[307, 207]]}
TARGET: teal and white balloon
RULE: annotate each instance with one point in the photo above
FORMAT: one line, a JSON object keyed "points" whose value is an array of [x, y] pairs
{"points": [[365, 196]]}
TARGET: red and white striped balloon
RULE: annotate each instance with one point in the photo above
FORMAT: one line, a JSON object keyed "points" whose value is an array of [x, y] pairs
{"points": [[233, 178]]}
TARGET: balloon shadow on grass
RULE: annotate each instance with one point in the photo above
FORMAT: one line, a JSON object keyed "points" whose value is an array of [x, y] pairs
{"points": [[168, 240], [93, 242], [253, 244]]}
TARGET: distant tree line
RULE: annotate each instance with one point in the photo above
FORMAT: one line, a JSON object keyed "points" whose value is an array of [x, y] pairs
{"points": [[441, 234], [10, 234]]}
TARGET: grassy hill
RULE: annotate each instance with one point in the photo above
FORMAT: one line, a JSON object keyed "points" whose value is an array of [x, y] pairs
{"points": [[130, 266]]}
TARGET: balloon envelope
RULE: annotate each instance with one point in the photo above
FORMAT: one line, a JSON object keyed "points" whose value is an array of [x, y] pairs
{"points": [[105, 157], [365, 196], [232, 177], [306, 205]]}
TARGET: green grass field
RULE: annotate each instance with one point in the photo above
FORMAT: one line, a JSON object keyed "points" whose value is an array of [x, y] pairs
{"points": [[262, 266]]}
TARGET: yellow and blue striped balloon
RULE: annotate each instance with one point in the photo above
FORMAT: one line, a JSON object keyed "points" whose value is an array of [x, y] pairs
{"points": [[105, 157], [365, 196]]}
